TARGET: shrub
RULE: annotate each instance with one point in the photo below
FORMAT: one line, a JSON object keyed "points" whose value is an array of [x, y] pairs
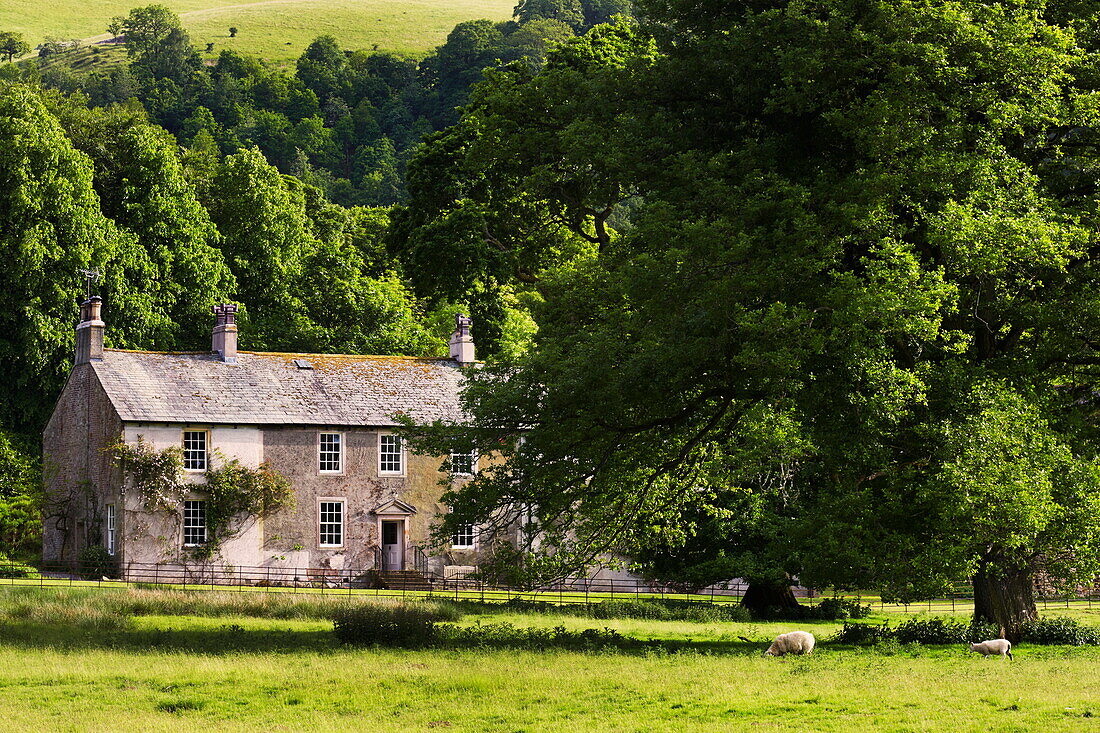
{"points": [[1061, 630], [15, 569], [837, 609], [660, 610], [505, 635], [643, 608], [630, 609], [958, 631], [94, 562], [943, 631], [863, 634], [829, 609], [400, 626]]}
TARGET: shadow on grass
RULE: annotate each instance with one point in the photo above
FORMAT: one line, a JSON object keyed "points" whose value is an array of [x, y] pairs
{"points": [[233, 639], [227, 639]]}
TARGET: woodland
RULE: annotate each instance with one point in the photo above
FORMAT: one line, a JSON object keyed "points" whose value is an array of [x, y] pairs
{"points": [[770, 289]]}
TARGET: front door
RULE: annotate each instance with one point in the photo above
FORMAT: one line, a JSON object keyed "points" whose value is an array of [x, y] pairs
{"points": [[393, 546]]}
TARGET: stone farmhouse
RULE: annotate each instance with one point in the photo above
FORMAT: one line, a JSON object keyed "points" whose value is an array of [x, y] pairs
{"points": [[362, 501]]}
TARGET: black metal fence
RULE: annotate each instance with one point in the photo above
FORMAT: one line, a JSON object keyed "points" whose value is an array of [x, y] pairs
{"points": [[366, 581]]}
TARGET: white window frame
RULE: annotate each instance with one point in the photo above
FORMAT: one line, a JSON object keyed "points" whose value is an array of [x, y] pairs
{"points": [[185, 526], [205, 450], [470, 531], [382, 470], [321, 453], [110, 539], [321, 521], [473, 464]]}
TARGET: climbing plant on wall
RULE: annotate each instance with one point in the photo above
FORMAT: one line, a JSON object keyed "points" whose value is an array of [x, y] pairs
{"points": [[156, 474], [234, 493]]}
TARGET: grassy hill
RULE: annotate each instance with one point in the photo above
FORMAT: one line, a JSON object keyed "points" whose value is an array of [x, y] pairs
{"points": [[278, 30]]}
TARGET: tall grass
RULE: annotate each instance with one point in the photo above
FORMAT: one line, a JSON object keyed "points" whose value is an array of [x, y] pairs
{"points": [[110, 609]]}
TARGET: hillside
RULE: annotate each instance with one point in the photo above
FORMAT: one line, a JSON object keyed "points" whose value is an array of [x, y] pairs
{"points": [[278, 30]]}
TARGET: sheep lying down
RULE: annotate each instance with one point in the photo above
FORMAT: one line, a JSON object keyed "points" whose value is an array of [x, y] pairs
{"points": [[794, 642], [993, 646]]}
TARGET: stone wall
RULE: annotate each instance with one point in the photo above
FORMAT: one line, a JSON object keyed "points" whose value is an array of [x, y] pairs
{"points": [[83, 478], [80, 477], [292, 537]]}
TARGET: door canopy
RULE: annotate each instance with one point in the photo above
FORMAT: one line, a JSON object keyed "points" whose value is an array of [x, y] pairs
{"points": [[394, 508]]}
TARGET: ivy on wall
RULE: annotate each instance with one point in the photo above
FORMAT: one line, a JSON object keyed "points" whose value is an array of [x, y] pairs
{"points": [[156, 474], [234, 492]]}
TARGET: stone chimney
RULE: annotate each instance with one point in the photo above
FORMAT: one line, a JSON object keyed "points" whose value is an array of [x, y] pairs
{"points": [[462, 343], [224, 343], [89, 332]]}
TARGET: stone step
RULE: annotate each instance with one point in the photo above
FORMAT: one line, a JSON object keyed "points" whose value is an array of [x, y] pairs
{"points": [[402, 580]]}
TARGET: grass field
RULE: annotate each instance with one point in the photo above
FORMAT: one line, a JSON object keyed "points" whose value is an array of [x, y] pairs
{"points": [[64, 665], [278, 30]]}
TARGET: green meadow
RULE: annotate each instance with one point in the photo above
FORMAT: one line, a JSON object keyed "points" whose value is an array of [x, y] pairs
{"points": [[130, 659], [278, 30]]}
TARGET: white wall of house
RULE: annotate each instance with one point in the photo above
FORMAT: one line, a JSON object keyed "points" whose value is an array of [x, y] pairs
{"points": [[153, 536]]}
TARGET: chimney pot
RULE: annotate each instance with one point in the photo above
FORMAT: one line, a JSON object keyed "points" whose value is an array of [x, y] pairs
{"points": [[89, 332], [462, 343], [224, 341]]}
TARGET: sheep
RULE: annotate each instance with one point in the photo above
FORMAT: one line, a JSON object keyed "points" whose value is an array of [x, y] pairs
{"points": [[794, 642], [993, 646]]}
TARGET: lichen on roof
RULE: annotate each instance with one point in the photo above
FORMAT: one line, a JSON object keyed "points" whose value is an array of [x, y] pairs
{"points": [[265, 388]]}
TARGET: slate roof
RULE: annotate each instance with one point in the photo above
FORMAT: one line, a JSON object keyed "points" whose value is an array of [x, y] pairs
{"points": [[270, 389]]}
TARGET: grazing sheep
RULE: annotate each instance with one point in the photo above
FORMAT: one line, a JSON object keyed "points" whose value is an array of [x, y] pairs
{"points": [[794, 642], [993, 646]]}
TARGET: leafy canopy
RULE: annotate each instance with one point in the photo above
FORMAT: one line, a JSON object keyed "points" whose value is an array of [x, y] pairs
{"points": [[849, 307]]}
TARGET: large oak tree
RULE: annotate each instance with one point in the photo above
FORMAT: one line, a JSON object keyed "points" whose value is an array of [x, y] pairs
{"points": [[856, 292]]}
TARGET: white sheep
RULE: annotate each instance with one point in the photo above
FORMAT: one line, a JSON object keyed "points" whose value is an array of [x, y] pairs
{"points": [[794, 642], [993, 646]]}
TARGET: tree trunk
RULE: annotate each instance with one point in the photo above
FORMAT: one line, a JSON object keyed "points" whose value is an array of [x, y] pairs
{"points": [[760, 597], [1005, 598]]}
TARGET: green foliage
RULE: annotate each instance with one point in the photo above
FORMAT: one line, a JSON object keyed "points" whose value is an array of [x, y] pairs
{"points": [[156, 474], [13, 44], [140, 180], [312, 276], [94, 563], [236, 493], [406, 626], [570, 12], [146, 28], [863, 634], [837, 609], [1061, 630], [841, 299], [918, 630], [503, 635], [12, 569], [20, 495], [52, 227], [653, 609], [669, 611], [944, 631], [829, 609], [21, 522]]}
